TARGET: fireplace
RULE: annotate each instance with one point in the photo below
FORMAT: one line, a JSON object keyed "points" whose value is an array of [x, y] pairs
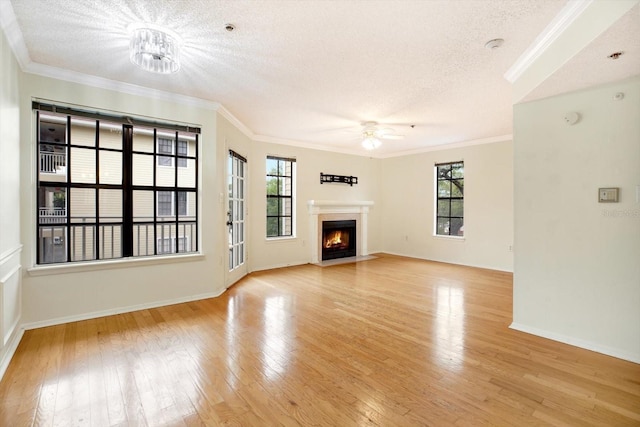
{"points": [[338, 239], [321, 211]]}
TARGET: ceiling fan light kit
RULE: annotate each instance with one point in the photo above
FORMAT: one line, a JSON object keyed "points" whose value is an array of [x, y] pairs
{"points": [[372, 135], [371, 143]]}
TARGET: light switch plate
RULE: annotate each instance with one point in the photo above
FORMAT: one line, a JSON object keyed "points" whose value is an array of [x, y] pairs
{"points": [[608, 195]]}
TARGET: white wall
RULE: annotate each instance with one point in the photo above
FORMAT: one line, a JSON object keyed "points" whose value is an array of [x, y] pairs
{"points": [[51, 294], [407, 201], [10, 247], [265, 253], [577, 261]]}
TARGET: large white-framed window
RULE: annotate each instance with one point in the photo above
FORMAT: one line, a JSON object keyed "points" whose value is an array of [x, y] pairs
{"points": [[281, 173], [449, 199], [102, 190]]}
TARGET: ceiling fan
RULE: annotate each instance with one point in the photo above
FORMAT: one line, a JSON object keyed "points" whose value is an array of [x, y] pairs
{"points": [[373, 134]]}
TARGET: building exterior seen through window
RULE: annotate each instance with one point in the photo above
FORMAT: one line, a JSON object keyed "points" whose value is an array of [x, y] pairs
{"points": [[109, 189], [280, 196], [449, 199]]}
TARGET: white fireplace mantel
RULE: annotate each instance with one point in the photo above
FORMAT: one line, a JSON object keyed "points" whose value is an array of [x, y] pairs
{"points": [[335, 208]]}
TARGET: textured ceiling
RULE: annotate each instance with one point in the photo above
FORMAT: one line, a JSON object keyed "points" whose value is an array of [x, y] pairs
{"points": [[311, 71]]}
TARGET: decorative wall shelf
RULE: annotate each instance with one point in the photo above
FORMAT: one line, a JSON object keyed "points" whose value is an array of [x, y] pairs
{"points": [[343, 179]]}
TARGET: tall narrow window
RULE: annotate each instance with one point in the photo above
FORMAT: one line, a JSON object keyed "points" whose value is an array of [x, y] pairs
{"points": [[107, 188], [280, 196], [449, 199]]}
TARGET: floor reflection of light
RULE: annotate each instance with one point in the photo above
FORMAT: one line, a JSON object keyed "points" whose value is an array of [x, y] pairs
{"points": [[449, 327], [231, 336], [277, 328]]}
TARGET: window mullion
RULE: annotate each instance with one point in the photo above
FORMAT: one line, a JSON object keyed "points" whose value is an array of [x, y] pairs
{"points": [[96, 246], [175, 192], [127, 192], [196, 194], [155, 192], [68, 190]]}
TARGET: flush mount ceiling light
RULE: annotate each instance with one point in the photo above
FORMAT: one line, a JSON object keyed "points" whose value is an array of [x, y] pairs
{"points": [[154, 49]]}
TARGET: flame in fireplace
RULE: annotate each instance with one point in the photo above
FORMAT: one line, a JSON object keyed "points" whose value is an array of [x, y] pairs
{"points": [[333, 239]]}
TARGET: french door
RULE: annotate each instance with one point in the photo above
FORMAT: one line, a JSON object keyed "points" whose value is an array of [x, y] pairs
{"points": [[236, 213]]}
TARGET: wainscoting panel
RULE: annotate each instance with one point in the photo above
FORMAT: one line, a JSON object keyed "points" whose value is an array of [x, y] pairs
{"points": [[10, 304]]}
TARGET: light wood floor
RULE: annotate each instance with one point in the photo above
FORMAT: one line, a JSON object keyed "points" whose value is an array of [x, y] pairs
{"points": [[391, 342]]}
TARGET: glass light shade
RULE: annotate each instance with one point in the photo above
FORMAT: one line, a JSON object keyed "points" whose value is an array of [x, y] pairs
{"points": [[371, 143], [155, 51]]}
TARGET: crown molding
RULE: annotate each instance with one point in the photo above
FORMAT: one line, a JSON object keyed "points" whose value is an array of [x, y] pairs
{"points": [[128, 88], [12, 32], [451, 146], [556, 27], [235, 122]]}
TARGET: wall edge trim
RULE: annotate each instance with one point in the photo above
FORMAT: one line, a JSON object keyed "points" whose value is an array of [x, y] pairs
{"points": [[576, 342], [10, 350], [8, 254]]}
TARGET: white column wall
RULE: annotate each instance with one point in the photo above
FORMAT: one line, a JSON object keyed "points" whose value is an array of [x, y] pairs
{"points": [[577, 269], [10, 243]]}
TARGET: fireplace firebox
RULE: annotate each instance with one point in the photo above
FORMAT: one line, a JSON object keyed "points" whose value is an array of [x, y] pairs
{"points": [[338, 239]]}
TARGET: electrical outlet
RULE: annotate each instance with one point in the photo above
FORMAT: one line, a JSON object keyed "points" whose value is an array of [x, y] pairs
{"points": [[510, 248]]}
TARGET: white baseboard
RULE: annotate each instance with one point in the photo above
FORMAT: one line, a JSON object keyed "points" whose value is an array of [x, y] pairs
{"points": [[446, 262], [9, 350], [271, 267], [119, 310], [576, 342]]}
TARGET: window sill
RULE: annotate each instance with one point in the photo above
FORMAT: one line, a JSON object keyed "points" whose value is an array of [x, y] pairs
{"points": [[452, 238], [79, 267], [281, 239]]}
